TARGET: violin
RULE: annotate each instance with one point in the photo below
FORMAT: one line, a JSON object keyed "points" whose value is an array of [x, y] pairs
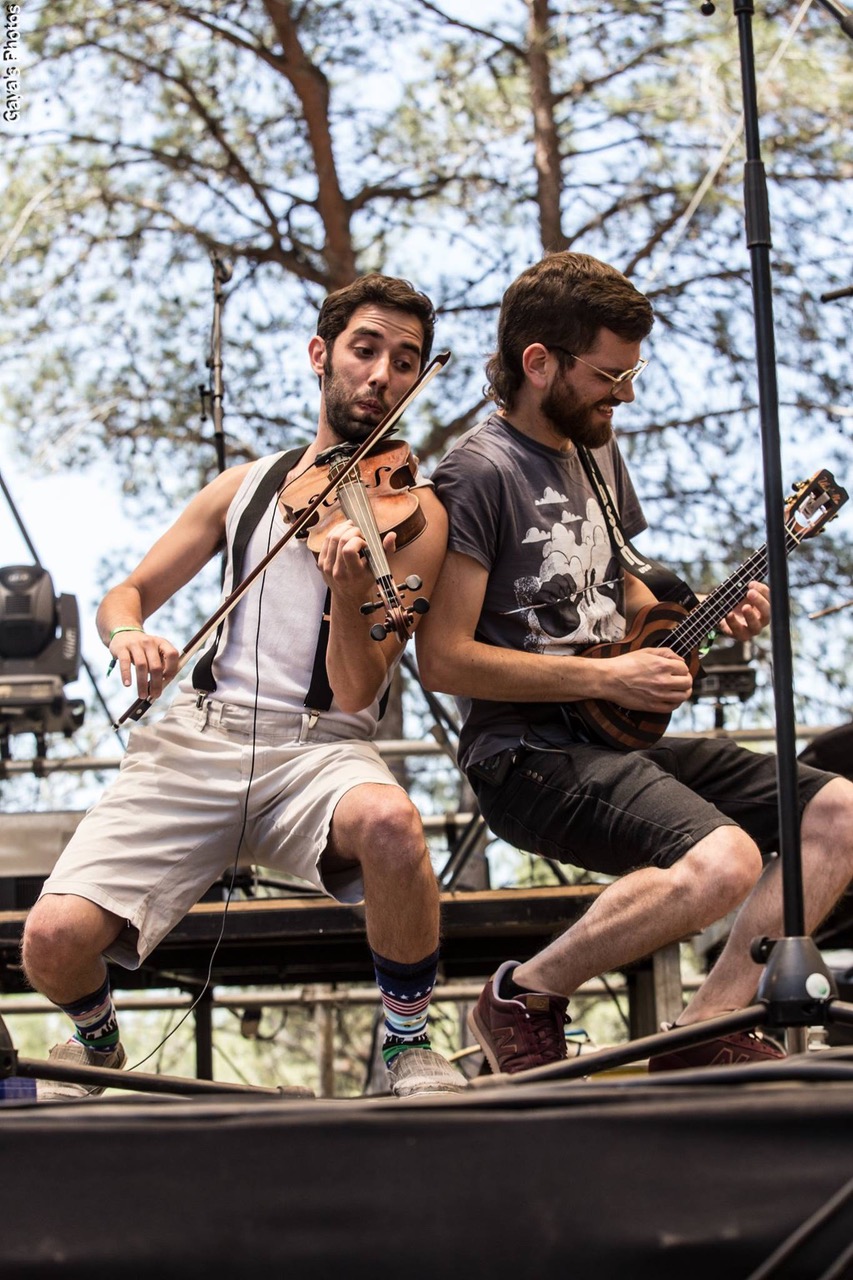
{"points": [[378, 496], [137, 709]]}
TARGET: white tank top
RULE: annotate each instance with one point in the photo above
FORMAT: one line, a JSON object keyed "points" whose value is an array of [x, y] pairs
{"points": [[271, 661]]}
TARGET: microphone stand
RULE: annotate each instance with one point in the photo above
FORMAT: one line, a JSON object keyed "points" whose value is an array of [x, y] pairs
{"points": [[796, 990], [222, 273], [843, 16]]}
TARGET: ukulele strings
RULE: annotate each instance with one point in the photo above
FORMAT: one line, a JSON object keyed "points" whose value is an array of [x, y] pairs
{"points": [[688, 634]]}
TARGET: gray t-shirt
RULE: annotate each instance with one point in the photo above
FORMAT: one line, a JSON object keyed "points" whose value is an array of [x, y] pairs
{"points": [[529, 515]]}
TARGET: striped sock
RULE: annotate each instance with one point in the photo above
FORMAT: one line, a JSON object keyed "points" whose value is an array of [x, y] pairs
{"points": [[95, 1020], [406, 990]]}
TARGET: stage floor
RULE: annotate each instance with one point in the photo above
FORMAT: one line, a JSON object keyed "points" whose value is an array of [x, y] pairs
{"points": [[686, 1176]]}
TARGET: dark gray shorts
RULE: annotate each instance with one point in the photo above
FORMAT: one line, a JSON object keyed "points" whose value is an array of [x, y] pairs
{"points": [[613, 811]]}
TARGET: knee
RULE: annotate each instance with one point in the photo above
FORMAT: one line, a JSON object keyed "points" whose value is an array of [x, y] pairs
{"points": [[390, 837], [724, 869], [828, 818], [55, 935], [741, 870]]}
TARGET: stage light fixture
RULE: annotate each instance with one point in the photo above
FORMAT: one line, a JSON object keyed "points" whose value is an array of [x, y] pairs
{"points": [[39, 655]]}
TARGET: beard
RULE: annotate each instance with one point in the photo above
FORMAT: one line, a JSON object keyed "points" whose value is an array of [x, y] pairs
{"points": [[341, 415], [572, 419]]}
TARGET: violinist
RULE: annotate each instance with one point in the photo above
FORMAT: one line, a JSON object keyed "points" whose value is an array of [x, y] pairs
{"points": [[267, 750]]}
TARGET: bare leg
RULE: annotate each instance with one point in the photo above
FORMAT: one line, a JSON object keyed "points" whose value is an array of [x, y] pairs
{"points": [[62, 947], [827, 862], [378, 827], [645, 910]]}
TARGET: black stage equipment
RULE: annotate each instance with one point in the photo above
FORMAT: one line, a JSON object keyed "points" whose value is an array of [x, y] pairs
{"points": [[726, 674], [39, 655]]}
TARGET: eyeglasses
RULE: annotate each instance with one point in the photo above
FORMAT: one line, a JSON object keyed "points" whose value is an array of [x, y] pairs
{"points": [[617, 382]]}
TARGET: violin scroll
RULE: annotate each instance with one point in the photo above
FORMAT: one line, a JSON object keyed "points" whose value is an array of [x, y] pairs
{"points": [[397, 618]]}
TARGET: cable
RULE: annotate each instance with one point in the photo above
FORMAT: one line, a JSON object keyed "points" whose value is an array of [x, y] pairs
{"points": [[806, 1229], [244, 821]]}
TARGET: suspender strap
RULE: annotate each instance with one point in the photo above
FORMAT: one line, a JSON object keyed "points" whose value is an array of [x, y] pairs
{"points": [[319, 696], [267, 489], [663, 583]]}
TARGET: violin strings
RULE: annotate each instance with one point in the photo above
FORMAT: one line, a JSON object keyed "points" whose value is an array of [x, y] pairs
{"points": [[352, 495]]}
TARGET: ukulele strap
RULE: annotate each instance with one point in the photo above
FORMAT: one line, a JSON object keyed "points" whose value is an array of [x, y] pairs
{"points": [[663, 583]]}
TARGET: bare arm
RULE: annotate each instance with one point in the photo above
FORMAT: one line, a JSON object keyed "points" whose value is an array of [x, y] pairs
{"points": [[173, 561], [356, 664], [451, 660], [637, 596]]}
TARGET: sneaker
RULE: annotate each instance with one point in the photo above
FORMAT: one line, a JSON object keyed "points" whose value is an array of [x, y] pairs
{"points": [[526, 1031], [724, 1051], [75, 1054], [415, 1073]]}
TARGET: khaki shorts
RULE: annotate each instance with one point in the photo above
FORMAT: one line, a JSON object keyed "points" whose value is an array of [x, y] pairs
{"points": [[172, 822]]}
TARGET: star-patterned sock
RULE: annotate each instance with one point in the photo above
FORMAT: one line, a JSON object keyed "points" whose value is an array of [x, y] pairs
{"points": [[406, 991], [95, 1020]]}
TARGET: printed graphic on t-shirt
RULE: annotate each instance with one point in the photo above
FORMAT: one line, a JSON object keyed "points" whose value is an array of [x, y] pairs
{"points": [[576, 598]]}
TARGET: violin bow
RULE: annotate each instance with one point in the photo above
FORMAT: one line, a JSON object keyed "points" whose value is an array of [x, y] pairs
{"points": [[382, 429]]}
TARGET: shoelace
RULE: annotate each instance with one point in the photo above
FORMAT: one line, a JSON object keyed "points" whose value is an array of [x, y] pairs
{"points": [[545, 1025]]}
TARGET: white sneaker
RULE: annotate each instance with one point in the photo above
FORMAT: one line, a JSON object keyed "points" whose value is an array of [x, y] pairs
{"points": [[416, 1073], [75, 1054]]}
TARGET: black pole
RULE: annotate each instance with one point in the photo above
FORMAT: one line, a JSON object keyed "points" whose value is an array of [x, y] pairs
{"points": [[842, 16], [222, 272], [757, 222]]}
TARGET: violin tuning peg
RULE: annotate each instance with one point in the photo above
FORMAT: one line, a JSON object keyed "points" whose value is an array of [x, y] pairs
{"points": [[378, 631], [419, 605], [413, 582]]}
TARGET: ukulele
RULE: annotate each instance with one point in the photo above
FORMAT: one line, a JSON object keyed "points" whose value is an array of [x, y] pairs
{"points": [[670, 626]]}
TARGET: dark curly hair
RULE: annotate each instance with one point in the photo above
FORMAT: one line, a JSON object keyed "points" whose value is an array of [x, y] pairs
{"points": [[564, 299], [381, 291]]}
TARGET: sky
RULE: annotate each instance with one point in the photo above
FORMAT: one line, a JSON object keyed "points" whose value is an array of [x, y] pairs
{"points": [[67, 516]]}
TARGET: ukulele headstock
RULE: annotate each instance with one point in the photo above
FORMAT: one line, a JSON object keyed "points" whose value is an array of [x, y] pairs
{"points": [[815, 502]]}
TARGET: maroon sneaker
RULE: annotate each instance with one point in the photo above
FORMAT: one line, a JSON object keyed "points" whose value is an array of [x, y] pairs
{"points": [[526, 1031], [725, 1051]]}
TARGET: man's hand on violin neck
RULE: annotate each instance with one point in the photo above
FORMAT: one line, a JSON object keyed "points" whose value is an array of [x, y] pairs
{"points": [[344, 563]]}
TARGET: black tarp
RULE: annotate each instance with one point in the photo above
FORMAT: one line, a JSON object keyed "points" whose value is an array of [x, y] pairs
{"points": [[698, 1177]]}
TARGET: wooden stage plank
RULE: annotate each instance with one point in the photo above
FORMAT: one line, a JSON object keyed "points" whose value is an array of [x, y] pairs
{"points": [[309, 938]]}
